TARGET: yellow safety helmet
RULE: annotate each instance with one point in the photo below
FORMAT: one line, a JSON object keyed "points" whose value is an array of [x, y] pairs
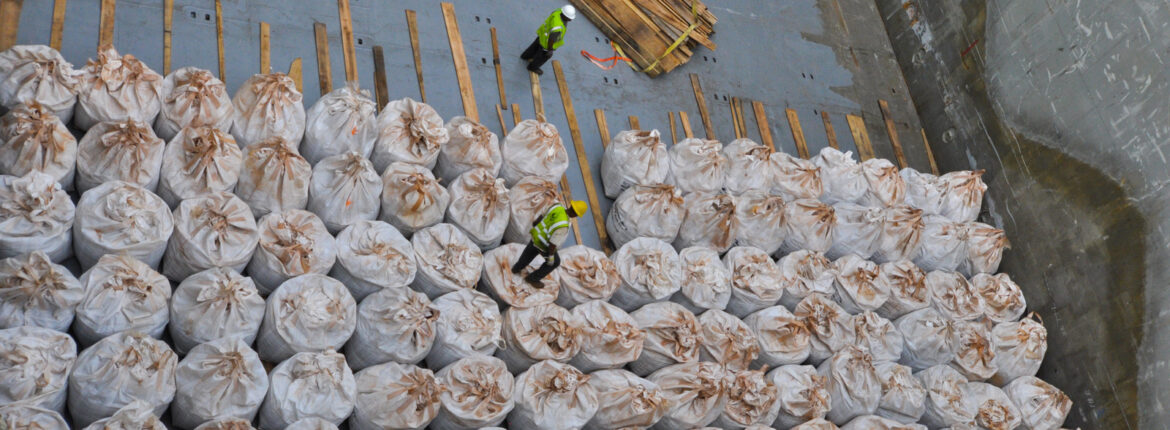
{"points": [[579, 207]]}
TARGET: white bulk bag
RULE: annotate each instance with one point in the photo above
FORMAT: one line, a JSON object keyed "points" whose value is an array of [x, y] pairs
{"points": [[1019, 348], [529, 200], [907, 286], [218, 379], [853, 384], [634, 157], [373, 256], [1002, 299], [974, 353], [479, 206], [695, 391], [856, 287], [311, 423], [533, 148], [749, 167], [706, 281], [962, 195], [344, 189], [469, 323], [901, 234], [554, 396], [877, 336], [751, 400], [394, 324], [924, 191], [805, 272], [119, 151], [36, 215], [477, 393], [24, 416], [212, 230], [858, 230], [727, 340], [985, 246], [843, 178], [34, 364], [650, 210], [877, 422], [585, 274], [697, 165], [34, 139], [928, 339], [412, 198], [395, 396], [274, 177], [944, 244], [1041, 405], [344, 120], [309, 313], [783, 338], [135, 416], [625, 400], [755, 280], [267, 106], [885, 187], [650, 270], [511, 289], [117, 88], [226, 424], [811, 225], [213, 304], [796, 178], [610, 337], [953, 296], [199, 160], [710, 221], [830, 326], [38, 73], [121, 294], [993, 409], [447, 260], [672, 333], [409, 132], [119, 369], [761, 221], [944, 398], [121, 218], [816, 424], [471, 146], [542, 332], [193, 97], [34, 291], [309, 385], [903, 395], [802, 395], [292, 243]]}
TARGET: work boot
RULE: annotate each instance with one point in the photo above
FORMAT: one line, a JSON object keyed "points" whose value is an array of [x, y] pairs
{"points": [[516, 269], [534, 281], [538, 72]]}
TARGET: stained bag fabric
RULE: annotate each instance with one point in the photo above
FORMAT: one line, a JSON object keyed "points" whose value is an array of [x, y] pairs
{"points": [[695, 391], [805, 272], [706, 281], [395, 396], [811, 225], [844, 180], [344, 189], [625, 400], [309, 385], [117, 88], [993, 409], [903, 395], [213, 304], [543, 332], [1002, 299], [471, 146], [654, 210], [944, 398], [755, 280], [119, 151], [829, 325], [552, 395], [212, 230], [226, 424], [34, 139], [650, 271], [34, 291], [218, 379], [856, 285], [309, 313], [634, 157], [311, 423], [479, 206], [410, 132], [292, 243], [585, 274], [974, 353], [796, 178], [885, 187], [877, 336], [953, 296], [477, 393], [901, 234], [373, 256], [761, 221], [25, 416], [710, 221], [412, 198], [135, 416], [395, 324], [274, 177], [751, 400], [853, 384], [267, 106], [857, 231], [610, 337], [121, 218], [533, 148], [673, 336], [876, 422], [749, 167], [727, 340], [469, 323], [907, 286], [985, 246], [447, 260], [962, 196], [697, 165], [121, 294], [511, 289], [803, 395], [783, 338], [923, 191], [34, 364], [1019, 348], [38, 73], [1041, 405], [120, 369], [929, 339], [193, 97], [342, 121], [529, 199], [944, 244], [199, 160]]}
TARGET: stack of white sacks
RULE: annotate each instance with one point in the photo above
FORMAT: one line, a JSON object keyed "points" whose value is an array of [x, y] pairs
{"points": [[244, 263]]}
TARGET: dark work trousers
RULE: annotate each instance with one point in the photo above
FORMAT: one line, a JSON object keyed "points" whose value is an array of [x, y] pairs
{"points": [[536, 55], [551, 262]]}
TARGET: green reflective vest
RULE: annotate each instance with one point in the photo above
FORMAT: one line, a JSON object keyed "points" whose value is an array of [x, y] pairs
{"points": [[555, 219], [553, 24]]}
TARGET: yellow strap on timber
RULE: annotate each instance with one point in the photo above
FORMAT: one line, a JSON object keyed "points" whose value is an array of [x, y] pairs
{"points": [[679, 41]]}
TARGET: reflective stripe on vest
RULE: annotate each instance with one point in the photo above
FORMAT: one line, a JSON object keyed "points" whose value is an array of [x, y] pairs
{"points": [[555, 219], [552, 24]]}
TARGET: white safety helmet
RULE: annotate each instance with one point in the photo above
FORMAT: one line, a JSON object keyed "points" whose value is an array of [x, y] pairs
{"points": [[569, 11]]}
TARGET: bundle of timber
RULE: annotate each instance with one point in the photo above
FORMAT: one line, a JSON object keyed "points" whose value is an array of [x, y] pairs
{"points": [[658, 35]]}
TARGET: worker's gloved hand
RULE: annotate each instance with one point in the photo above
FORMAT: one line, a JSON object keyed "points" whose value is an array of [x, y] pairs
{"points": [[552, 251]]}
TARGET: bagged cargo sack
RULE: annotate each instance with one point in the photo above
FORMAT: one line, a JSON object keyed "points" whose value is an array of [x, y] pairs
{"points": [[394, 396], [533, 148], [697, 166], [117, 88], [395, 324], [928, 339], [761, 221], [710, 221], [853, 384], [962, 196], [412, 198], [136, 415], [447, 260], [344, 189], [212, 230], [991, 406], [805, 272], [469, 323], [268, 106], [901, 234], [477, 393], [885, 187], [796, 178], [695, 391], [193, 97], [121, 294], [858, 230], [119, 151], [199, 160], [309, 313], [876, 422], [727, 340], [409, 132], [34, 291], [586, 274], [783, 338], [802, 394], [25, 416], [1041, 405], [511, 289], [120, 369], [906, 284], [844, 180], [673, 336], [34, 139], [311, 423], [706, 281], [479, 206], [218, 379], [212, 304], [543, 332], [650, 272], [1002, 299], [34, 364], [292, 243], [944, 398], [121, 218], [38, 73], [751, 400], [924, 191], [974, 354], [903, 395], [274, 177], [529, 200], [610, 337], [373, 256], [1019, 348], [226, 424], [654, 210], [985, 246], [625, 400], [344, 120], [811, 225], [554, 396], [856, 285], [755, 280], [877, 336], [471, 146], [953, 296], [830, 326], [634, 157], [944, 244], [749, 167], [309, 385]]}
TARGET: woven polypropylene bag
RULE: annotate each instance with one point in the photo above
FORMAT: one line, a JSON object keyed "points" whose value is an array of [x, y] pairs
{"points": [[907, 286], [412, 199], [903, 395], [710, 221], [471, 146], [803, 395], [218, 379], [274, 177], [877, 336], [650, 272], [199, 160], [373, 256], [309, 385], [857, 231], [992, 407], [953, 296], [877, 422], [901, 234], [796, 178], [652, 210], [749, 167], [344, 189], [944, 398], [212, 230], [121, 218], [469, 323], [121, 294], [805, 272], [672, 333], [137, 415], [34, 139], [344, 120], [25, 416], [625, 400], [843, 179], [856, 287], [885, 187], [695, 391], [783, 338], [1003, 300], [119, 369], [755, 280], [928, 339], [529, 199], [1019, 348], [828, 324], [543, 332], [974, 352], [395, 324], [706, 281], [761, 221], [193, 97], [447, 260], [479, 206], [268, 105], [610, 337], [1042, 406], [752, 399], [511, 289], [962, 195], [585, 274], [477, 393], [119, 151], [116, 88], [309, 313], [533, 148], [854, 387], [552, 395], [212, 304], [985, 246], [697, 165], [38, 73], [811, 226], [292, 243], [34, 364], [226, 424], [34, 291], [410, 132], [634, 157], [36, 215], [727, 340], [395, 396]]}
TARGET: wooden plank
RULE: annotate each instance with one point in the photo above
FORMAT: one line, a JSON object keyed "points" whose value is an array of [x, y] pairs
{"points": [[634, 124], [347, 49], [929, 154], [265, 48], [219, 40], [106, 23], [537, 97], [832, 134], [412, 28], [735, 124], [797, 133], [860, 137], [582, 158], [762, 124], [9, 22], [892, 132], [466, 92], [294, 72], [168, 23], [567, 197], [381, 93], [673, 130], [499, 71], [503, 126], [702, 102], [686, 124], [324, 72], [602, 127], [516, 114]]}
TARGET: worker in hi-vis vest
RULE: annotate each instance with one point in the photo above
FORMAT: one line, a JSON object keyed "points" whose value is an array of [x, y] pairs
{"points": [[548, 232], [549, 37]]}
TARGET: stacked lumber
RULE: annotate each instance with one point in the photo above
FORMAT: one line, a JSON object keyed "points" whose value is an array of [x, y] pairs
{"points": [[646, 29]]}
